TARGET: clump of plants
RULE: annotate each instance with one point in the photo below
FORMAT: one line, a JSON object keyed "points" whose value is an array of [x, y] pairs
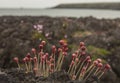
{"points": [[80, 68], [39, 33]]}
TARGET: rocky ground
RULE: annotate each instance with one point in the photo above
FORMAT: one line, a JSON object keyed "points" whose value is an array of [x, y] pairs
{"points": [[19, 76], [102, 38]]}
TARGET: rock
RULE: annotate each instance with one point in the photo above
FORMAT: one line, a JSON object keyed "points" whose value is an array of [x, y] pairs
{"points": [[59, 76], [109, 77]]}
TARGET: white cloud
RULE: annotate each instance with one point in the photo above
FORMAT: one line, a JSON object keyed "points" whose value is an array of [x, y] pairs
{"points": [[27, 3], [41, 3]]}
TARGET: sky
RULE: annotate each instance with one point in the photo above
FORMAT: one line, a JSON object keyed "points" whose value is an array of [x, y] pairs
{"points": [[43, 3]]}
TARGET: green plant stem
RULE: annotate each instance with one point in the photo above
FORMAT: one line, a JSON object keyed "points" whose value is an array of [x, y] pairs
{"points": [[61, 62], [26, 67], [85, 71], [89, 69], [80, 68], [18, 65], [44, 68], [72, 70], [96, 71], [40, 68], [89, 73], [58, 61], [101, 75], [69, 69], [53, 55]]}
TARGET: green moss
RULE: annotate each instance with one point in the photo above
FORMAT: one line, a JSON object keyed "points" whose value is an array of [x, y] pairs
{"points": [[37, 35], [72, 47], [82, 33], [97, 52]]}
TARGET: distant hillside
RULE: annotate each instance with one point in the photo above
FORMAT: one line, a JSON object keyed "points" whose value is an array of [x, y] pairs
{"points": [[114, 6]]}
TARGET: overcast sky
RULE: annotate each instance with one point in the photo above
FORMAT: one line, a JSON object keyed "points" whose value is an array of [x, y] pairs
{"points": [[42, 3]]}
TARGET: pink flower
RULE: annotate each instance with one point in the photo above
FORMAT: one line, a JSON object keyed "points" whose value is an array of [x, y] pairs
{"points": [[65, 36], [40, 26], [47, 34], [34, 26]]}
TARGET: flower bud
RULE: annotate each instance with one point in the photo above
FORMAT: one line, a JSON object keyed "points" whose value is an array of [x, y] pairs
{"points": [[51, 57], [61, 42], [107, 66], [65, 45], [33, 50], [76, 52], [41, 46], [43, 43], [99, 60], [46, 55], [95, 63], [59, 50], [100, 65], [31, 59], [65, 49], [51, 60], [53, 49], [73, 56], [41, 54], [83, 69], [24, 60], [83, 48], [82, 44], [87, 58], [89, 61], [16, 59], [27, 59], [77, 60], [35, 59], [28, 55], [72, 63], [83, 53], [43, 58], [64, 53]]}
